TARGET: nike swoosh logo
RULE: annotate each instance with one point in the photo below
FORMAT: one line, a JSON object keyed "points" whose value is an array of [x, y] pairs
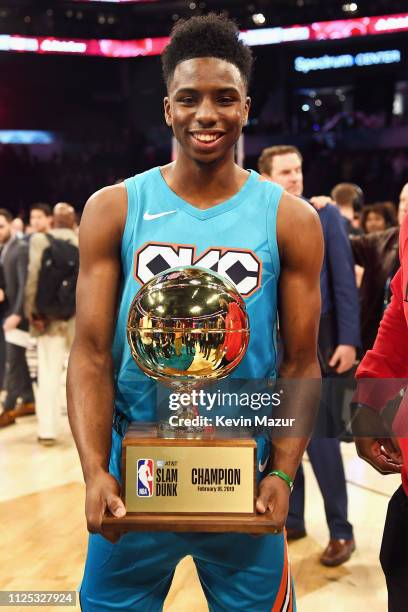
{"points": [[262, 466], [148, 217]]}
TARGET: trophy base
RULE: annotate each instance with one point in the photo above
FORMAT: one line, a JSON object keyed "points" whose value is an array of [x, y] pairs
{"points": [[165, 430], [189, 481], [197, 523]]}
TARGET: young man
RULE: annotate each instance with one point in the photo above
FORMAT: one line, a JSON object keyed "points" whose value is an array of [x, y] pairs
{"points": [[339, 335], [131, 231], [40, 218]]}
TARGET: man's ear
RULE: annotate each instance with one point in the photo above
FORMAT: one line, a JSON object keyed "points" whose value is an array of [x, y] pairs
{"points": [[246, 110], [167, 111]]}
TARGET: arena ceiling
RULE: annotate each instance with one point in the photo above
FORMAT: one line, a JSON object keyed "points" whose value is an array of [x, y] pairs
{"points": [[142, 18]]}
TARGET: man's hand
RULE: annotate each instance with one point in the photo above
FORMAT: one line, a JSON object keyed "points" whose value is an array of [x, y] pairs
{"points": [[2, 295], [102, 493], [375, 441], [320, 202], [11, 322], [382, 453], [38, 323], [273, 497], [343, 358]]}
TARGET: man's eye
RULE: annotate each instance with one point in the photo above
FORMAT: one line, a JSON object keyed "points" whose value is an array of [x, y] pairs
{"points": [[187, 100], [225, 100]]}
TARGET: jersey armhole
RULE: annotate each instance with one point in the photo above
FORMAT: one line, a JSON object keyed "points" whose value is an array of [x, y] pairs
{"points": [[271, 226], [132, 204]]}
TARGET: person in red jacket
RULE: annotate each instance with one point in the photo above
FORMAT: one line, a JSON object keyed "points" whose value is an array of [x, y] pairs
{"points": [[387, 451]]}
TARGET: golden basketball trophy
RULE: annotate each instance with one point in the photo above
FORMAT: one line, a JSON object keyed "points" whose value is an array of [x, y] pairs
{"points": [[188, 326]]}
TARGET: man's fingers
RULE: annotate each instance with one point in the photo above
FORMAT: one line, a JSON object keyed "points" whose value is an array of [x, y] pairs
{"points": [[374, 452], [345, 364], [335, 358], [385, 450], [391, 449], [342, 366], [262, 504], [265, 504], [392, 457], [94, 520], [115, 506], [383, 465], [386, 467]]}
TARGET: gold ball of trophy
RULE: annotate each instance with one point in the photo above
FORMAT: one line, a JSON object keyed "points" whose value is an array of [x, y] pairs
{"points": [[188, 324]]}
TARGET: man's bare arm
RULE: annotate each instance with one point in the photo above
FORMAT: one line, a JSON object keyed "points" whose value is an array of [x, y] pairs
{"points": [[301, 252], [90, 371]]}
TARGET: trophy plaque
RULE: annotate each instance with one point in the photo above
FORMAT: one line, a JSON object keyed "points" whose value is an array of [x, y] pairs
{"points": [[186, 327]]}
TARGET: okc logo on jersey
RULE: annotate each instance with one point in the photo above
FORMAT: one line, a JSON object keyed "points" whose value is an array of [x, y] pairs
{"points": [[240, 266], [145, 469]]}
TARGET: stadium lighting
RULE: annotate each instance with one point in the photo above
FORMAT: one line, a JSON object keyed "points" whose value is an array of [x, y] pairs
{"points": [[258, 18], [351, 7]]}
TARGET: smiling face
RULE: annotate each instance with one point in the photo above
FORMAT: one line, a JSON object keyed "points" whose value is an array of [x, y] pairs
{"points": [[207, 107]]}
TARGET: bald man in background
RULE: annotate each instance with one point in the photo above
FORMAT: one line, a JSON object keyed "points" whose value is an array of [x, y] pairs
{"points": [[54, 330]]}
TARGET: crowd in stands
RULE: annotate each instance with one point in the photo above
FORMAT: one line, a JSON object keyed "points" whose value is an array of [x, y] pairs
{"points": [[74, 174]]}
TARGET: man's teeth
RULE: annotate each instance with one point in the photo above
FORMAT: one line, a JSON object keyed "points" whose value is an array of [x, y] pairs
{"points": [[206, 137]]}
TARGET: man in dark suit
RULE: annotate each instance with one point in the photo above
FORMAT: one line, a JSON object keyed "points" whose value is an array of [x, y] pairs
{"points": [[339, 336], [14, 262]]}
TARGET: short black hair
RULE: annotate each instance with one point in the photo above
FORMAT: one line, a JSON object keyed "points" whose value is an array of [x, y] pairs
{"points": [[209, 35], [6, 214], [45, 208]]}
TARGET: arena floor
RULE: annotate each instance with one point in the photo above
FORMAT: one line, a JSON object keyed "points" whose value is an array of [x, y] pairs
{"points": [[43, 532]]}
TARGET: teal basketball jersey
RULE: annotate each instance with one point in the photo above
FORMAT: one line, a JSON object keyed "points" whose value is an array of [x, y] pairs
{"points": [[236, 238]]}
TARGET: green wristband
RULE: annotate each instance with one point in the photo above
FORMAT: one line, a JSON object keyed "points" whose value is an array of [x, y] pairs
{"points": [[284, 477]]}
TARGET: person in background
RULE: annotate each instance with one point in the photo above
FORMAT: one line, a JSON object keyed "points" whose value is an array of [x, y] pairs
{"points": [[3, 306], [382, 374], [54, 334], [14, 259], [377, 254], [339, 337], [40, 218], [403, 204], [349, 199], [75, 222], [17, 227], [377, 218]]}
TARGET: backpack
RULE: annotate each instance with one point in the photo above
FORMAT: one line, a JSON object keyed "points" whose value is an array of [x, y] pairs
{"points": [[55, 298]]}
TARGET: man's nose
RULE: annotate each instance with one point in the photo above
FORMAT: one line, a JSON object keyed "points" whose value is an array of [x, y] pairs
{"points": [[206, 113]]}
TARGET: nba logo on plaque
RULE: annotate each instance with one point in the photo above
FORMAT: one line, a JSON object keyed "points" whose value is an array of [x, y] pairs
{"points": [[145, 469]]}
